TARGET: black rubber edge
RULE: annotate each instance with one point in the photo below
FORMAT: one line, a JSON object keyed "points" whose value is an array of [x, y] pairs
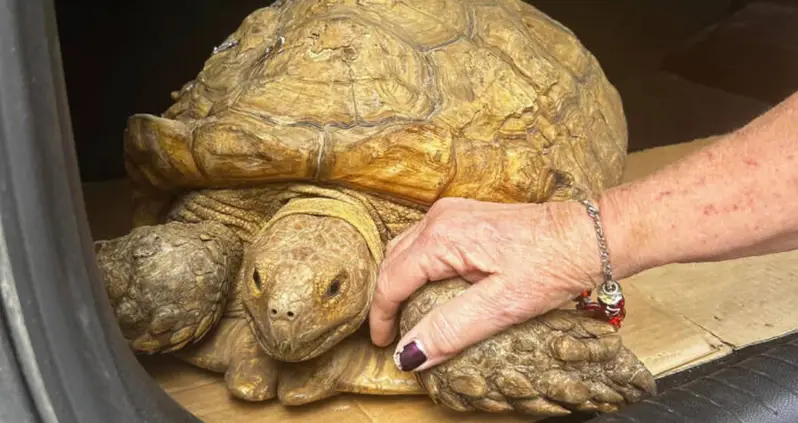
{"points": [[62, 355], [756, 386], [15, 401]]}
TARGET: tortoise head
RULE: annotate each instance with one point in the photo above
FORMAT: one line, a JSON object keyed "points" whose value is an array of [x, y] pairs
{"points": [[309, 283]]}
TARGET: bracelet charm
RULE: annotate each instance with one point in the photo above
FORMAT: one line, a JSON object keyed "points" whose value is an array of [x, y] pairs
{"points": [[610, 300]]}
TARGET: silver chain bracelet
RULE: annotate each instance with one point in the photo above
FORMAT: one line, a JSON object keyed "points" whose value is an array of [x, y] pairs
{"points": [[611, 302]]}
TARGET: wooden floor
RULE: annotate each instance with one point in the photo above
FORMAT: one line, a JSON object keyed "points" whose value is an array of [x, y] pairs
{"points": [[205, 395], [679, 316]]}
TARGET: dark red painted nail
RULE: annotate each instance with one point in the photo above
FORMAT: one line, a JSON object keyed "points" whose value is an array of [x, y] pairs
{"points": [[411, 356]]}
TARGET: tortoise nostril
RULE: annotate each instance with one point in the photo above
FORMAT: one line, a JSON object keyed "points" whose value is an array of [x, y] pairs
{"points": [[277, 313]]}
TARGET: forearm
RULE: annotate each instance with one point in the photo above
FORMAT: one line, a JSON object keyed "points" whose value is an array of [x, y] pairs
{"points": [[735, 198]]}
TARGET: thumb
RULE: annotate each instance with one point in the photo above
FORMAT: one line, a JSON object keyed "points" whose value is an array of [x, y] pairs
{"points": [[481, 311]]}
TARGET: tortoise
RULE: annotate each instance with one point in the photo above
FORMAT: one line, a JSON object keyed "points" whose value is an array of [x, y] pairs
{"points": [[264, 196]]}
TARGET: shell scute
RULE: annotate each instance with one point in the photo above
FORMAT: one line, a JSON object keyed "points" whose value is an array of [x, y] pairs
{"points": [[411, 99]]}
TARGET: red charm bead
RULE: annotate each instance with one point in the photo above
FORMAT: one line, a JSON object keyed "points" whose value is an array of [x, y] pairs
{"points": [[613, 313]]}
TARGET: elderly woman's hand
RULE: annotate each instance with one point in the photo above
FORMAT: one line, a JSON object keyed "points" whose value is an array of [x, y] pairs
{"points": [[521, 259], [731, 199]]}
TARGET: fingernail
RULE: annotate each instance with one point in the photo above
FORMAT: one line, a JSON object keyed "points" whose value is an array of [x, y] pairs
{"points": [[410, 357]]}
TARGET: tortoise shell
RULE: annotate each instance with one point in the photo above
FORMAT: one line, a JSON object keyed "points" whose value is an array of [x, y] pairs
{"points": [[410, 99]]}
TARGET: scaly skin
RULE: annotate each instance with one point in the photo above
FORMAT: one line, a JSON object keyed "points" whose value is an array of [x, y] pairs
{"points": [[547, 366], [307, 281], [168, 284], [289, 329], [310, 291], [231, 349]]}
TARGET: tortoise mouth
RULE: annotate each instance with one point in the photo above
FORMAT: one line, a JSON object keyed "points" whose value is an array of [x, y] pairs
{"points": [[307, 349]]}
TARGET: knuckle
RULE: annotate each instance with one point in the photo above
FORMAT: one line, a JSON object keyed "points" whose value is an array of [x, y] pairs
{"points": [[438, 234], [443, 202], [436, 208], [488, 232], [442, 205], [392, 244]]}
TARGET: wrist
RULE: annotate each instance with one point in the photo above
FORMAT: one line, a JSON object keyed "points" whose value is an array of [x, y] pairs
{"points": [[628, 236], [580, 235], [631, 238]]}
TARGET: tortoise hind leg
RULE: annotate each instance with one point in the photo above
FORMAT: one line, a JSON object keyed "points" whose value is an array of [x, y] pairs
{"points": [[168, 284], [354, 366], [551, 365]]}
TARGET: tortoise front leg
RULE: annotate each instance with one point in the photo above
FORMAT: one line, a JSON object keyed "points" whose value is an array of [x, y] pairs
{"points": [[231, 349], [561, 361], [354, 366], [168, 284]]}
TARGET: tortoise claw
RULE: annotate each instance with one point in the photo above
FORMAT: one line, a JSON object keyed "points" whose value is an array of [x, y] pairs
{"points": [[310, 381], [253, 379], [552, 365]]}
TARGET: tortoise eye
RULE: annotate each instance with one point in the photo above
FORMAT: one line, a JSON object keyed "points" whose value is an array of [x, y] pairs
{"points": [[256, 278], [334, 288]]}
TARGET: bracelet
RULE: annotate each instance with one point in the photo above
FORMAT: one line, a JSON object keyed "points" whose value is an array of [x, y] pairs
{"points": [[611, 303]]}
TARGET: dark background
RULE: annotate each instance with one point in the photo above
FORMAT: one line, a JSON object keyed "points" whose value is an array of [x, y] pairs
{"points": [[685, 68]]}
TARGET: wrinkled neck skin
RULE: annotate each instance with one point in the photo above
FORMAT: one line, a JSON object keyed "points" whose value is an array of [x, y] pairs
{"points": [[309, 276]]}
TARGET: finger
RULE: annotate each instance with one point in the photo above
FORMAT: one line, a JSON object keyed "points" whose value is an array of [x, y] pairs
{"points": [[403, 240], [395, 285], [382, 316], [405, 273], [382, 325], [479, 312]]}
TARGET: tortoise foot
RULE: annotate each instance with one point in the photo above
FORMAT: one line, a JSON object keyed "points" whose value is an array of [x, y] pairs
{"points": [[311, 381], [168, 283], [552, 365], [230, 348], [253, 379]]}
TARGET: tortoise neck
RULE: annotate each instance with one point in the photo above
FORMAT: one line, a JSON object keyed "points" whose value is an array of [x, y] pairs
{"points": [[352, 213]]}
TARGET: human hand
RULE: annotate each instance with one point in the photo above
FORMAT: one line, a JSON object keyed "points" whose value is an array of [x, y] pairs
{"points": [[521, 259]]}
